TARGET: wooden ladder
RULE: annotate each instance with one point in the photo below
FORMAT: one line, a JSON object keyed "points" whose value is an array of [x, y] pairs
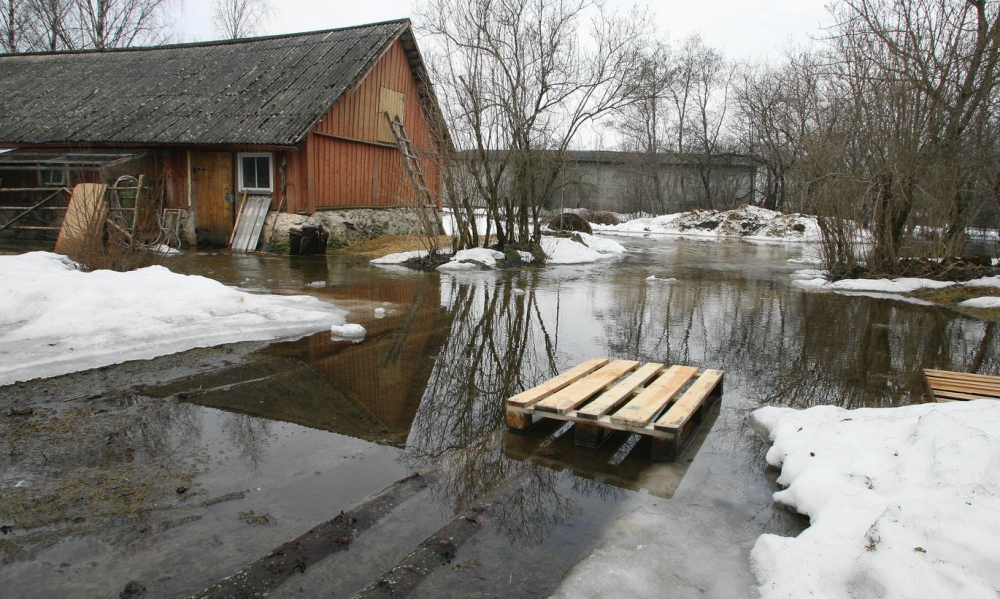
{"points": [[417, 178], [410, 161]]}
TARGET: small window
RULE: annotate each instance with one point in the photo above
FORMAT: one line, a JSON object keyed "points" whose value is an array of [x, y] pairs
{"points": [[54, 177], [255, 172]]}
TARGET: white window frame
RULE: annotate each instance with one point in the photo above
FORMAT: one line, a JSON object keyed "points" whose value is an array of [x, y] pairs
{"points": [[270, 171], [45, 182]]}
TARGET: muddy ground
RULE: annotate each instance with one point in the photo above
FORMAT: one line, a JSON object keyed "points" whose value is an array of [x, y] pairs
{"points": [[94, 456]]}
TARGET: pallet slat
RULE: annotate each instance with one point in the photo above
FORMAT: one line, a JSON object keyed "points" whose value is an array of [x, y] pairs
{"points": [[573, 395], [679, 413], [620, 393], [963, 386], [647, 404], [951, 395], [963, 376], [536, 394], [945, 385]]}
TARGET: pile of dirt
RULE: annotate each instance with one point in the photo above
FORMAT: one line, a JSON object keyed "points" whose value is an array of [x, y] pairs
{"points": [[744, 221], [570, 222]]}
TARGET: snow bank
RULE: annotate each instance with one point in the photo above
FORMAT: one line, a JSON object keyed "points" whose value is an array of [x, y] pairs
{"points": [[902, 502], [401, 257], [981, 302], [817, 280], [746, 222], [473, 259], [55, 319], [563, 250]]}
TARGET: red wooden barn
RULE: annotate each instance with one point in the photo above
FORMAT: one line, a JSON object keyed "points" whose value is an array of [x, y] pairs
{"points": [[298, 118]]}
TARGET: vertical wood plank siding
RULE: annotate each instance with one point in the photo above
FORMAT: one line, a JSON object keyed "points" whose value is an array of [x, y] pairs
{"points": [[350, 173]]}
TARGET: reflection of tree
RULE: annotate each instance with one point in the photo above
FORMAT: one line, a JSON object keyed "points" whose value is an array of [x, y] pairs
{"points": [[499, 345], [250, 434], [786, 347], [781, 346]]}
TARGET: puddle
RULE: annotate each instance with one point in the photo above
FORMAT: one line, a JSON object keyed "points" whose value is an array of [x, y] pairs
{"points": [[269, 441]]}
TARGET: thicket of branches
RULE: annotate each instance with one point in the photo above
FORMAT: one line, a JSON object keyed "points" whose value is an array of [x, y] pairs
{"points": [[886, 128], [518, 80], [51, 25]]}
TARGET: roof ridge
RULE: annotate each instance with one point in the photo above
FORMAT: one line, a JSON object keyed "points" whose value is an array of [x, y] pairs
{"points": [[207, 43]]}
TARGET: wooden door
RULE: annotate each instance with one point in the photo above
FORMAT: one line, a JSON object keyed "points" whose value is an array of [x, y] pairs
{"points": [[211, 187]]}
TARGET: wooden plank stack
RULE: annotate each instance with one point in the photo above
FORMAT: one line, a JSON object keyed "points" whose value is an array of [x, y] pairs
{"points": [[945, 385], [601, 396]]}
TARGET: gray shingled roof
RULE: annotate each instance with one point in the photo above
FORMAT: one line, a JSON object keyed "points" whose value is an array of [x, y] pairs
{"points": [[263, 91]]}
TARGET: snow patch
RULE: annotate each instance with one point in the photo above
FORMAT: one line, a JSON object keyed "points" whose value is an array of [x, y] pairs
{"points": [[981, 302], [902, 502], [55, 318], [984, 282], [348, 332], [563, 250], [398, 258], [473, 259]]}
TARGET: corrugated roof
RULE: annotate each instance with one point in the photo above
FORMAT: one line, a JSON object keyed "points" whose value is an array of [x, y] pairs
{"points": [[260, 91], [58, 157]]}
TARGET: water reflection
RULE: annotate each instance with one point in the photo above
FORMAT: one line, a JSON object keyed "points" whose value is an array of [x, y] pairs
{"points": [[250, 435], [433, 375]]}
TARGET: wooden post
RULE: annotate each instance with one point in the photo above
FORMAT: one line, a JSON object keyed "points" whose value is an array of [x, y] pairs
{"points": [[518, 422], [666, 450], [590, 435]]}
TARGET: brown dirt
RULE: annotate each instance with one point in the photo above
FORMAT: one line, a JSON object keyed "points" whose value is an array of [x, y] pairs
{"points": [[951, 296], [389, 244]]}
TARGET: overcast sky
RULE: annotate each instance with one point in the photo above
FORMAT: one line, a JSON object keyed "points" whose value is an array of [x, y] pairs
{"points": [[741, 28]]}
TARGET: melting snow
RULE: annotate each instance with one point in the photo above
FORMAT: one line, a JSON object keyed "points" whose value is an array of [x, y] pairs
{"points": [[902, 502], [56, 319]]}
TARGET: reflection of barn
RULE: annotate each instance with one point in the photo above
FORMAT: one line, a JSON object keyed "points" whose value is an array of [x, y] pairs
{"points": [[387, 374], [370, 390], [297, 119]]}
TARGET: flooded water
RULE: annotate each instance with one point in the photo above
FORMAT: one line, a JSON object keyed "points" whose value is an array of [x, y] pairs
{"points": [[267, 442]]}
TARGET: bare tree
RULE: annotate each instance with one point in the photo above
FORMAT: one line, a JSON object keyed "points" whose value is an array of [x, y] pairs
{"points": [[104, 24], [517, 82], [53, 24], [234, 19], [700, 94], [777, 107], [643, 126], [909, 132], [16, 26]]}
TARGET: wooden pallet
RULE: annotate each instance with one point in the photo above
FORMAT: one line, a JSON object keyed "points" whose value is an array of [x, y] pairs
{"points": [[601, 396], [945, 385]]}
